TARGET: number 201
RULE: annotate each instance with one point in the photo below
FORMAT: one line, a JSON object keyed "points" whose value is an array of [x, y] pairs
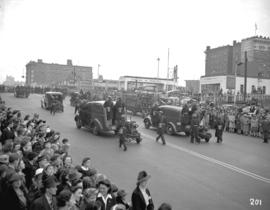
{"points": [[255, 202]]}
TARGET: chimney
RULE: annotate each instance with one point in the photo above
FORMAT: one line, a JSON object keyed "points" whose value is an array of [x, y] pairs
{"points": [[234, 42], [208, 48], [39, 60], [69, 62]]}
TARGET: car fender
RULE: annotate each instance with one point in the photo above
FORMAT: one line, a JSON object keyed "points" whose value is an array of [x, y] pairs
{"points": [[173, 126], [97, 122]]}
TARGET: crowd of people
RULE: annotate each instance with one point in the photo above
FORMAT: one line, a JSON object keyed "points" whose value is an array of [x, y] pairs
{"points": [[37, 172], [253, 120]]}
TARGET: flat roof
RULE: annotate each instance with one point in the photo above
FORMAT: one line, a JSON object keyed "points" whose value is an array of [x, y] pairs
{"points": [[54, 93], [139, 77]]}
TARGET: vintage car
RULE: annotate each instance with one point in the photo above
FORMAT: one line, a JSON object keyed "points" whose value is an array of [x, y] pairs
{"points": [[22, 91], [49, 97], [92, 115], [174, 119]]}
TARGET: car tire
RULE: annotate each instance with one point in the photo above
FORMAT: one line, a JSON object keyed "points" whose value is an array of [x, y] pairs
{"points": [[207, 140], [95, 130], [169, 130], [138, 140], [78, 124], [147, 124]]}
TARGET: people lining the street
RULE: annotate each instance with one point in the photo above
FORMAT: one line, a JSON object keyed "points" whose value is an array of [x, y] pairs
{"points": [[37, 172]]}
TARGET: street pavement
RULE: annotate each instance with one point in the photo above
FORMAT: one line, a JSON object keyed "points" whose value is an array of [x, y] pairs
{"points": [[232, 175]]}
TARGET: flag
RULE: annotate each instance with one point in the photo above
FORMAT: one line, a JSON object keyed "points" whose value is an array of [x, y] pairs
{"points": [[256, 27]]}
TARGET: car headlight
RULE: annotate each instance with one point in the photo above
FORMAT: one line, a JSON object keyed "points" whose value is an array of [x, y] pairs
{"points": [[178, 123]]}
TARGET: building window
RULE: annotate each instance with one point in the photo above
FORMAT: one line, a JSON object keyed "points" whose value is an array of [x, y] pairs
{"points": [[241, 89], [264, 90], [261, 47]]}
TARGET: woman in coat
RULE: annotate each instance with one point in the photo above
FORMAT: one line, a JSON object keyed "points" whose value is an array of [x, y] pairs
{"points": [[141, 197], [15, 197], [104, 197]]}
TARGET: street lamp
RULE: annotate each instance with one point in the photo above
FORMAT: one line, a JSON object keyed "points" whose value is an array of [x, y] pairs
{"points": [[98, 70], [235, 76], [158, 59]]}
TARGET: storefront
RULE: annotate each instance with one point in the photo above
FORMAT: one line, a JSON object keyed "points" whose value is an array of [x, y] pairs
{"points": [[133, 82]]}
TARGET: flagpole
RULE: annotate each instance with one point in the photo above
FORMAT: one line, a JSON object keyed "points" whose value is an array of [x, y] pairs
{"points": [[256, 27]]}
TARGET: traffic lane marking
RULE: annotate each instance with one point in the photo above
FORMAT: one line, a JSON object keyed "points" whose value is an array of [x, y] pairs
{"points": [[212, 160]]}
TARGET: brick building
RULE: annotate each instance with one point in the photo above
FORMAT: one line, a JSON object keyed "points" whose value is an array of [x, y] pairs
{"points": [[224, 68], [51, 74]]}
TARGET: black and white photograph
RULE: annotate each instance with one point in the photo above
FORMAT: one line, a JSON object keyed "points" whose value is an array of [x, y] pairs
{"points": [[134, 105]]}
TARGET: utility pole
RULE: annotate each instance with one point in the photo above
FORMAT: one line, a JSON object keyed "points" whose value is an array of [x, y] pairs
{"points": [[158, 59], [245, 81], [98, 71], [168, 69]]}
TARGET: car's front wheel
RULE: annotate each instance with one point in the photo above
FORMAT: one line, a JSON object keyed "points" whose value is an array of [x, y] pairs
{"points": [[78, 124], [147, 124], [95, 130], [169, 130]]}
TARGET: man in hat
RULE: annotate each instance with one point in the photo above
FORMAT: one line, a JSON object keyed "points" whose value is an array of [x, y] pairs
{"points": [[122, 132], [141, 197], [47, 201], [161, 127], [108, 105], [118, 111], [219, 128], [195, 122]]}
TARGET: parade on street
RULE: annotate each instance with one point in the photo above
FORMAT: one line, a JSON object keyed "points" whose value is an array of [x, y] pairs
{"points": [[134, 105]]}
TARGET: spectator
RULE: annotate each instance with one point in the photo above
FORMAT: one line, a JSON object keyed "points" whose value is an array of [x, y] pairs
{"points": [[121, 198], [85, 169], [76, 197], [47, 201], [15, 197], [89, 197], [36, 185], [64, 200], [141, 198], [104, 196]]}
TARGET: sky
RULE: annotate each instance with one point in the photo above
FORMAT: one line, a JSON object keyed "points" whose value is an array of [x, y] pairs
{"points": [[124, 36]]}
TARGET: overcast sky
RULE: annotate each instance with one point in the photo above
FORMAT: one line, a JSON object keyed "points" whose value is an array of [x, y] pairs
{"points": [[124, 36]]}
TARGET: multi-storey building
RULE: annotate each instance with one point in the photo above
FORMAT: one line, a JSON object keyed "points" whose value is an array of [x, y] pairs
{"points": [[225, 69], [51, 74]]}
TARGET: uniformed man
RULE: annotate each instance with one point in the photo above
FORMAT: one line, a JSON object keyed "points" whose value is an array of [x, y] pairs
{"points": [[108, 105], [195, 122], [265, 129], [119, 111], [53, 107], [122, 135], [219, 127], [161, 127]]}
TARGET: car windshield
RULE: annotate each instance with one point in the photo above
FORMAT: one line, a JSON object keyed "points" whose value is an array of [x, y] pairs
{"points": [[57, 97]]}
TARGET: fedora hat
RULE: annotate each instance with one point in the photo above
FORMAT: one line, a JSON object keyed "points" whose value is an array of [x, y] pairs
{"points": [[142, 176]]}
